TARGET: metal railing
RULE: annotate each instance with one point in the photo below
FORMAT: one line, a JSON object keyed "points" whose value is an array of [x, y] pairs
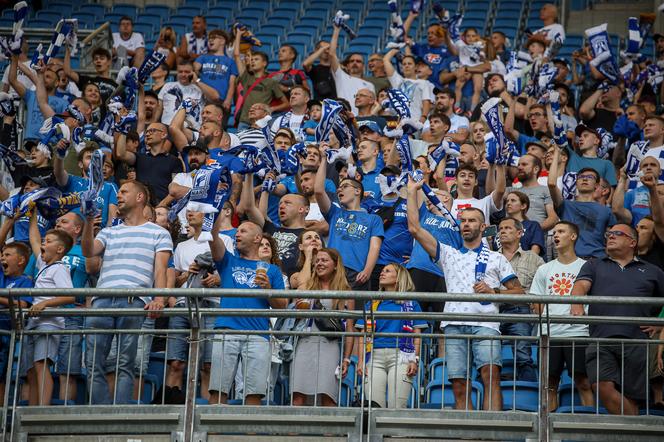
{"points": [[428, 411]]}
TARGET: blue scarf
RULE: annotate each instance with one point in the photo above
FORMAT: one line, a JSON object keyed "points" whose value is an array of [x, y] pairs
{"points": [[481, 263], [569, 186], [329, 114], [178, 206], [559, 134], [192, 44], [600, 47], [635, 154], [11, 158], [418, 175], [90, 196], [406, 345], [339, 20], [150, 64], [211, 189], [505, 148]]}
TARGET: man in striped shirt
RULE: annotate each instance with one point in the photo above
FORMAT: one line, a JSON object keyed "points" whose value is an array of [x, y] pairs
{"points": [[134, 254]]}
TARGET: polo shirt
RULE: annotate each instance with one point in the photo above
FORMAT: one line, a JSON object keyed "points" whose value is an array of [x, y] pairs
{"points": [[390, 325], [638, 279], [156, 172]]}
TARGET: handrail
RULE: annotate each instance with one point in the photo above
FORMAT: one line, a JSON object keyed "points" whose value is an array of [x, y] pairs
{"points": [[316, 294]]}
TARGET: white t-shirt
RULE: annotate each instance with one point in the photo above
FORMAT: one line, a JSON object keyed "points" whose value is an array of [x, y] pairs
{"points": [[295, 124], [557, 279], [52, 276], [657, 152], [416, 90], [459, 269], [551, 31], [486, 205], [171, 103], [134, 42], [314, 213], [183, 179], [184, 256], [348, 86], [21, 77], [456, 122]]}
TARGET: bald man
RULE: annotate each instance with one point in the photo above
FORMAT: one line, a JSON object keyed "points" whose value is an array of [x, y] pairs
{"points": [[552, 30]]}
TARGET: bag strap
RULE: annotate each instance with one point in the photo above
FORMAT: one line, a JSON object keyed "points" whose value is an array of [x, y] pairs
{"points": [[242, 96]]}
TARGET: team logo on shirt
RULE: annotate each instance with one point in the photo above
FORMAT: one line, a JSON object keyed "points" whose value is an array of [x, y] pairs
{"points": [[561, 283], [433, 58], [244, 276]]}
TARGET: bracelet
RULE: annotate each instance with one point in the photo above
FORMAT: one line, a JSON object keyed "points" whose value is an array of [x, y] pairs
{"points": [[346, 360]]}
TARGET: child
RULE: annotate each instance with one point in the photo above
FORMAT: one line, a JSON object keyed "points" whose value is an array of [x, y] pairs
{"points": [[29, 184], [41, 350], [14, 259], [309, 127], [470, 48]]}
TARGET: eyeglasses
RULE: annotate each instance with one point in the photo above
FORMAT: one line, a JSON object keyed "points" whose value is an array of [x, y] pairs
{"points": [[153, 130], [586, 177], [362, 95], [535, 114], [617, 233], [347, 185]]}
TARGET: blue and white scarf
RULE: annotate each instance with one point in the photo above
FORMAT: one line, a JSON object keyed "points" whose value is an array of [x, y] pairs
{"points": [[211, 189], [559, 135], [569, 186], [52, 131], [194, 47], [505, 147], [90, 196], [340, 20], [418, 176], [329, 114], [150, 64], [11, 158], [600, 47], [635, 155], [406, 344], [128, 78], [481, 263], [634, 39]]}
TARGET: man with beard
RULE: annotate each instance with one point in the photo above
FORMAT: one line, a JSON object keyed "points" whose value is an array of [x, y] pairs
{"points": [[541, 207], [156, 166], [149, 109], [491, 271], [293, 209], [141, 250], [211, 130], [459, 125], [351, 79], [320, 74]]}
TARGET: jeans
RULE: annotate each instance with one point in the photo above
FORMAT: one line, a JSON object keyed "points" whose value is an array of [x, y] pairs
{"points": [[525, 368], [71, 348], [98, 347]]}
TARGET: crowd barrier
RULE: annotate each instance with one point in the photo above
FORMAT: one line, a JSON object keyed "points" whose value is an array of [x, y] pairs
{"points": [[428, 413]]}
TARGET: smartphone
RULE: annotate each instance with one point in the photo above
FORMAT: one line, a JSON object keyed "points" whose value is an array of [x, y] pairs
{"points": [[490, 231]]}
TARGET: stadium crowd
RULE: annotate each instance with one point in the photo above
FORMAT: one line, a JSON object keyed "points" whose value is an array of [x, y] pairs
{"points": [[456, 164]]}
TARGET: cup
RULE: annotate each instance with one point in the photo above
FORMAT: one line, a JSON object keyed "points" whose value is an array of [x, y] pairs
{"points": [[303, 304], [261, 268]]}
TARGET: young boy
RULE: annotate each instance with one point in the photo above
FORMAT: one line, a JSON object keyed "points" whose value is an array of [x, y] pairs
{"points": [[14, 259], [40, 351], [315, 114]]}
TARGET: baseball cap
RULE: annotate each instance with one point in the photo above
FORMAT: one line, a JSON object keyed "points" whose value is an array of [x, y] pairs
{"points": [[581, 128], [561, 60], [370, 125], [657, 37], [199, 145]]}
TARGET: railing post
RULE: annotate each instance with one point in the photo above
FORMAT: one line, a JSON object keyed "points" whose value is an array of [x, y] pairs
{"points": [[544, 387], [192, 369]]}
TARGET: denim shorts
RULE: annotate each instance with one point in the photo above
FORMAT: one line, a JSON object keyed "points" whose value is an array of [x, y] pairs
{"points": [[70, 351], [178, 343], [484, 351], [256, 358], [4, 357], [39, 348]]}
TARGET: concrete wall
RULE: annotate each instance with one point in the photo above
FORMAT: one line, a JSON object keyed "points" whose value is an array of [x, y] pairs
{"points": [[614, 14]]}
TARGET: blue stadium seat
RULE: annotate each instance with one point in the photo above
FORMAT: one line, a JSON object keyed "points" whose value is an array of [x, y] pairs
{"points": [[510, 32], [217, 21], [253, 12], [125, 9], [156, 367], [92, 8], [9, 22], [38, 23], [114, 18], [507, 22], [163, 11], [520, 395], [150, 383], [534, 24], [315, 15], [152, 19], [221, 10], [144, 28], [61, 7], [511, 15], [8, 13], [376, 21], [51, 16], [181, 19], [438, 392], [375, 32], [291, 4], [188, 10], [310, 29], [272, 30], [283, 22], [581, 410], [475, 23], [476, 14], [250, 21]]}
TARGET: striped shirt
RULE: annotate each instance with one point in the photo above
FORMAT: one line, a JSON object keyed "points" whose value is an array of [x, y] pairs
{"points": [[252, 137], [129, 255]]}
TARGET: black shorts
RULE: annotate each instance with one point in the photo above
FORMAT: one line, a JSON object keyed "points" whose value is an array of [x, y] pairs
{"points": [[611, 359], [426, 282], [562, 355], [351, 277]]}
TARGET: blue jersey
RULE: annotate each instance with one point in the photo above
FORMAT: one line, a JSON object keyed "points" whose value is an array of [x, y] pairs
{"points": [[107, 196], [350, 234], [34, 117], [398, 242], [13, 282], [239, 273], [434, 57], [390, 325], [593, 219], [443, 231], [216, 71], [22, 228]]}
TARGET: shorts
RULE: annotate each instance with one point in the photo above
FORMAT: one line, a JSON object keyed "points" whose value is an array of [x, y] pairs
{"points": [[484, 351], [39, 348], [562, 356], [178, 343], [351, 276], [256, 358], [611, 358]]}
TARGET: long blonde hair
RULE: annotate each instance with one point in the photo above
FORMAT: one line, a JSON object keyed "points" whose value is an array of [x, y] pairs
{"points": [[404, 281], [338, 282]]}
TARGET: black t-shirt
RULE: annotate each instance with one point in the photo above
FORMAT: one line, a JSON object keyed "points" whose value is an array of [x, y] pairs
{"points": [[323, 81], [637, 279], [655, 255], [287, 247], [156, 172], [604, 119], [106, 85]]}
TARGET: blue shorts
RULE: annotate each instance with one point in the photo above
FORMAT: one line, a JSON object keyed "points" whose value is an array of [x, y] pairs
{"points": [[70, 352], [4, 356], [484, 351], [178, 343]]}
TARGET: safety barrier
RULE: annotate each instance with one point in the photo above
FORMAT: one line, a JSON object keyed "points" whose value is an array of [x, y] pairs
{"points": [[428, 411]]}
